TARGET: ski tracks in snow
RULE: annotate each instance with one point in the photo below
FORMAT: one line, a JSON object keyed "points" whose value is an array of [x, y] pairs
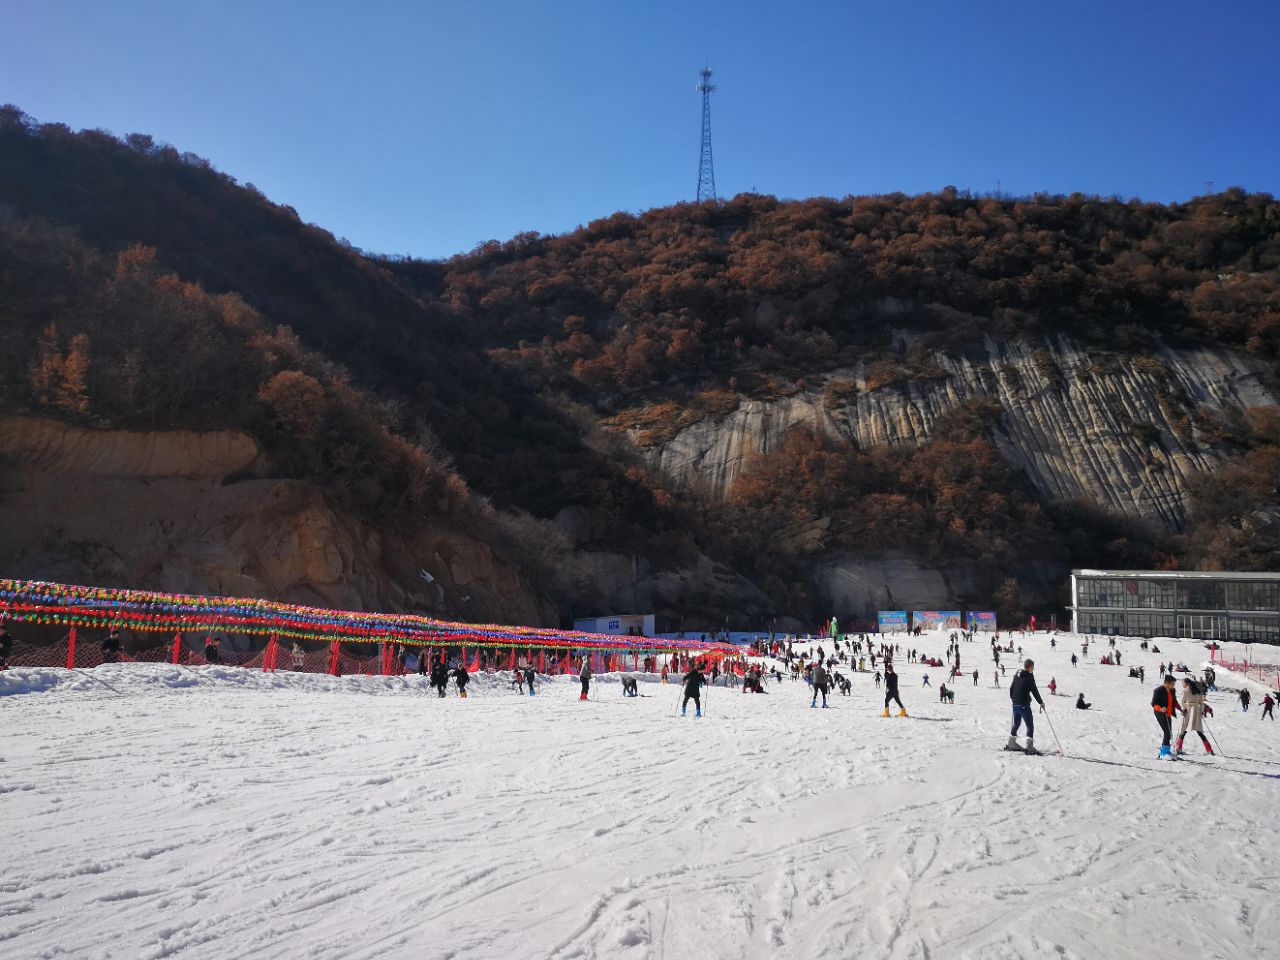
{"points": [[222, 814]]}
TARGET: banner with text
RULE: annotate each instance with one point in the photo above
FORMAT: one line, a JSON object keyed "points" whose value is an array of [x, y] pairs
{"points": [[982, 621], [937, 619], [891, 620]]}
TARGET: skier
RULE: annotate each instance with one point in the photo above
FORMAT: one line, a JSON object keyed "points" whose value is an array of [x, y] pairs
{"points": [[1268, 705], [439, 676], [529, 674], [1192, 711], [6, 647], [111, 647], [891, 691], [926, 681], [1021, 690], [1245, 697], [1081, 705], [1165, 704], [460, 677], [877, 679], [585, 676], [820, 682], [693, 681], [664, 673]]}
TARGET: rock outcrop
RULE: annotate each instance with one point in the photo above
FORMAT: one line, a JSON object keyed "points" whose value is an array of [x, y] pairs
{"points": [[197, 512], [1125, 435]]}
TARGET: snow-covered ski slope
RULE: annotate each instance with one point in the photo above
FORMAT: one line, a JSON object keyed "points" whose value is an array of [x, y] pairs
{"points": [[153, 811]]}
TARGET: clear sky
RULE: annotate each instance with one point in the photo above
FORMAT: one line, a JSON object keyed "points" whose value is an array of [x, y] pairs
{"points": [[428, 127]]}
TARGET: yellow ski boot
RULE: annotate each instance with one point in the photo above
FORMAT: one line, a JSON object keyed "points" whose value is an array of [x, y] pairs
{"points": [[902, 713]]}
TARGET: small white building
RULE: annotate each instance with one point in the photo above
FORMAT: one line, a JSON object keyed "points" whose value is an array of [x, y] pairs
{"points": [[621, 624]]}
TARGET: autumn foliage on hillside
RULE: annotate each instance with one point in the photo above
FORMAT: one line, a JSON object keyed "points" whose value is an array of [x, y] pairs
{"points": [[141, 287]]}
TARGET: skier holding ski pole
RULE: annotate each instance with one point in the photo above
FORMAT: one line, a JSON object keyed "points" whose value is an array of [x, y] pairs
{"points": [[1021, 690], [1164, 703], [693, 681]]}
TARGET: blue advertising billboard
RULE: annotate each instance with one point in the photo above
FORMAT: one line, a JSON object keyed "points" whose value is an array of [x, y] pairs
{"points": [[891, 620], [981, 621]]}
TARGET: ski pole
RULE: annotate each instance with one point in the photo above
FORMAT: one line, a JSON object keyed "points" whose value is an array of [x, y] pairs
{"points": [[1054, 732], [1216, 745]]}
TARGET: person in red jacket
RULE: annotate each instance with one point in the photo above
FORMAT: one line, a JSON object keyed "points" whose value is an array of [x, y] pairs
{"points": [[1164, 702]]}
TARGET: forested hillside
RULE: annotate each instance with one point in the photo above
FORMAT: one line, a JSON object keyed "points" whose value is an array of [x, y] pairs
{"points": [[590, 405]]}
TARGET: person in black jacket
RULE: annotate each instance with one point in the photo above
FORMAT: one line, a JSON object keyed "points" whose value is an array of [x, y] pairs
{"points": [[111, 647], [1164, 703], [891, 691], [693, 681], [6, 647], [1080, 704], [211, 649], [529, 675], [439, 676], [1021, 690], [460, 677]]}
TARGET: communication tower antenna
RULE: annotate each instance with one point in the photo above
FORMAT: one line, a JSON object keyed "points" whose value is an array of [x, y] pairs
{"points": [[706, 171]]}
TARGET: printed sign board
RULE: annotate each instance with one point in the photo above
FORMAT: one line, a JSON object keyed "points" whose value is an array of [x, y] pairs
{"points": [[891, 620], [937, 619]]}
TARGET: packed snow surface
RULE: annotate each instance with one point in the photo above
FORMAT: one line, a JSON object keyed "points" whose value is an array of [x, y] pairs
{"points": [[154, 811]]}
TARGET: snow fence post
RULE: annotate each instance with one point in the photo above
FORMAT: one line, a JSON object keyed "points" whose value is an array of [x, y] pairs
{"points": [[333, 658], [177, 646], [71, 649]]}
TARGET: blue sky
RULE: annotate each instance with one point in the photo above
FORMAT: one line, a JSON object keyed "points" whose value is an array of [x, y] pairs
{"points": [[426, 128]]}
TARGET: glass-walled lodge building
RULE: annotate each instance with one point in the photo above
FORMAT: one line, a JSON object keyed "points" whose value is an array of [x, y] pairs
{"points": [[1157, 603]]}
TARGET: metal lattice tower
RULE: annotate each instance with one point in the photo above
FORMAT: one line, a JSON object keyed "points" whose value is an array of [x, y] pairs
{"points": [[706, 170]]}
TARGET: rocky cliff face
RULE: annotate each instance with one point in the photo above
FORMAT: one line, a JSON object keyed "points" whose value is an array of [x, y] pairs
{"points": [[1125, 435], [200, 512]]}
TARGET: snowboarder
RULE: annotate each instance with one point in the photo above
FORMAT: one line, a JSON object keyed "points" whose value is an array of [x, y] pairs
{"points": [[891, 691], [585, 676], [529, 674], [693, 681], [1081, 705], [820, 683], [1268, 705], [111, 647], [1164, 702], [1021, 690], [460, 677], [1192, 712]]}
